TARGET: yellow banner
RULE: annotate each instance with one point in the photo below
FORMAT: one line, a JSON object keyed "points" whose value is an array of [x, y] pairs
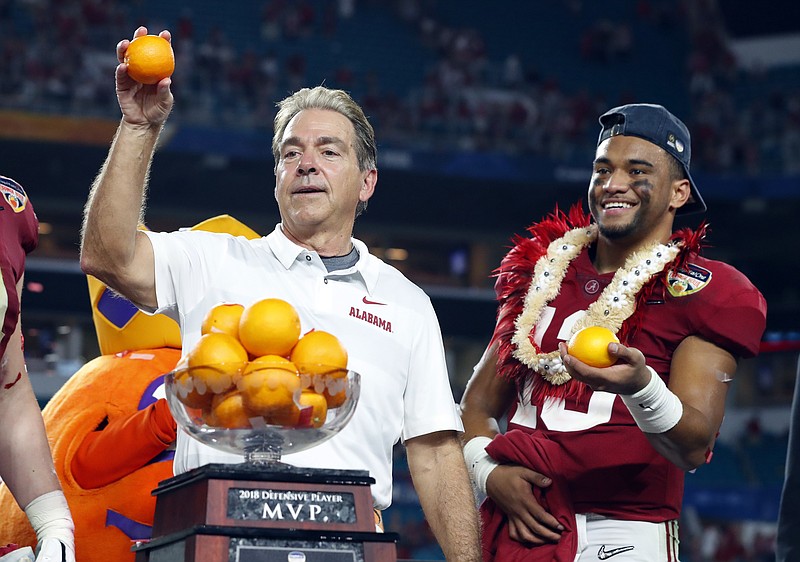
{"points": [[56, 128]]}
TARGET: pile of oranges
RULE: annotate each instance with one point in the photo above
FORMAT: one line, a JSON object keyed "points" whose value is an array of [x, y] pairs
{"points": [[251, 364]]}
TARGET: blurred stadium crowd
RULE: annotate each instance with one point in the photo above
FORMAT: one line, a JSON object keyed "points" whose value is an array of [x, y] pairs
{"points": [[459, 84], [458, 76]]}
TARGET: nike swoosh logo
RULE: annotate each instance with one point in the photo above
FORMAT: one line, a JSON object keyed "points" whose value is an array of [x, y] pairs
{"points": [[367, 301], [604, 554]]}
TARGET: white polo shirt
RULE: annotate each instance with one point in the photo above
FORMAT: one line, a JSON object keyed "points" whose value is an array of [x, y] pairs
{"points": [[386, 323]]}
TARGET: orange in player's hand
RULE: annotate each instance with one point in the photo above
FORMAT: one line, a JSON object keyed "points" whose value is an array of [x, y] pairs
{"points": [[590, 345], [269, 327], [223, 318], [150, 59], [320, 353]]}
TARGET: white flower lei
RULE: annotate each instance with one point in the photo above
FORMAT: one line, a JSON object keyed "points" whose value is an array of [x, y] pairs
{"points": [[616, 303]]}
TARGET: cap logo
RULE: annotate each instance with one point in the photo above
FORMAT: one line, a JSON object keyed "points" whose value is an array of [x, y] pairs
{"points": [[675, 143]]}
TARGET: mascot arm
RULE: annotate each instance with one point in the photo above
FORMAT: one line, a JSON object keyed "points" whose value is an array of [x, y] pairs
{"points": [[123, 446]]}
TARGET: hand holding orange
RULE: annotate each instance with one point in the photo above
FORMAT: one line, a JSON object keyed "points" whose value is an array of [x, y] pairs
{"points": [[150, 59], [590, 345]]}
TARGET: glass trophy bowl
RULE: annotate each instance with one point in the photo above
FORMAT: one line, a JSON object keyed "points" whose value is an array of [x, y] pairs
{"points": [[262, 413]]}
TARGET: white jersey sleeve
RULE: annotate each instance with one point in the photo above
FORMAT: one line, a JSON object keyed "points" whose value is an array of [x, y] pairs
{"points": [[183, 270]]}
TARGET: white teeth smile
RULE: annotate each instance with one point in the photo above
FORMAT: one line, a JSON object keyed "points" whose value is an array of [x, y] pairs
{"points": [[617, 205]]}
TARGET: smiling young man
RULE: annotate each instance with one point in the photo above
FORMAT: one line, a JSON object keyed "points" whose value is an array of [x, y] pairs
{"points": [[325, 172], [592, 464]]}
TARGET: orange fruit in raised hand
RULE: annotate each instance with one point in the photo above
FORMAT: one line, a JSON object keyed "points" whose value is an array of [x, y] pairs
{"points": [[214, 361], [150, 59], [320, 353], [223, 318], [228, 410], [268, 386], [590, 345], [269, 327]]}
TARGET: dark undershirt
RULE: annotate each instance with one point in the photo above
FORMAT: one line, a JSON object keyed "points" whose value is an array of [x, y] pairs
{"points": [[337, 263]]}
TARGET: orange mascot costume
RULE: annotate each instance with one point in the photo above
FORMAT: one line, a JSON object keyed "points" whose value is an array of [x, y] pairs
{"points": [[110, 429]]}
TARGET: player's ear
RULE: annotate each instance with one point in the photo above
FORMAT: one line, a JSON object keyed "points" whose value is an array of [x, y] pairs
{"points": [[681, 193], [368, 185]]}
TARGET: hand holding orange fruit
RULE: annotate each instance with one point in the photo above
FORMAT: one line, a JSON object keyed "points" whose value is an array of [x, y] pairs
{"points": [[590, 345], [252, 362], [150, 59]]}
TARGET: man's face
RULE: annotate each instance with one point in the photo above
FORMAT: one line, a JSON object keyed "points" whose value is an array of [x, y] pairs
{"points": [[318, 183], [631, 191]]}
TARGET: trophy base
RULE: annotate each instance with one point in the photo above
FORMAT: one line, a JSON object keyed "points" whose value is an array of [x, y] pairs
{"points": [[263, 513], [216, 544]]}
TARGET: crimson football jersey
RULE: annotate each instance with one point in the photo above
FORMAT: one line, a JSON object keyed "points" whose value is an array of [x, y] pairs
{"points": [[19, 234], [610, 466]]}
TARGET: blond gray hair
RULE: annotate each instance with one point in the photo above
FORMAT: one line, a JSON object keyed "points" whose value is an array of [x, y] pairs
{"points": [[340, 101]]}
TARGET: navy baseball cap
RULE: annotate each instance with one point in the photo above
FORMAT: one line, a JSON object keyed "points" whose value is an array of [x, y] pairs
{"points": [[655, 124]]}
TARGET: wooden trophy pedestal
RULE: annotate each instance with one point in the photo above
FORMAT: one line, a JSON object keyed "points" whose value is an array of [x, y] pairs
{"points": [[266, 513]]}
